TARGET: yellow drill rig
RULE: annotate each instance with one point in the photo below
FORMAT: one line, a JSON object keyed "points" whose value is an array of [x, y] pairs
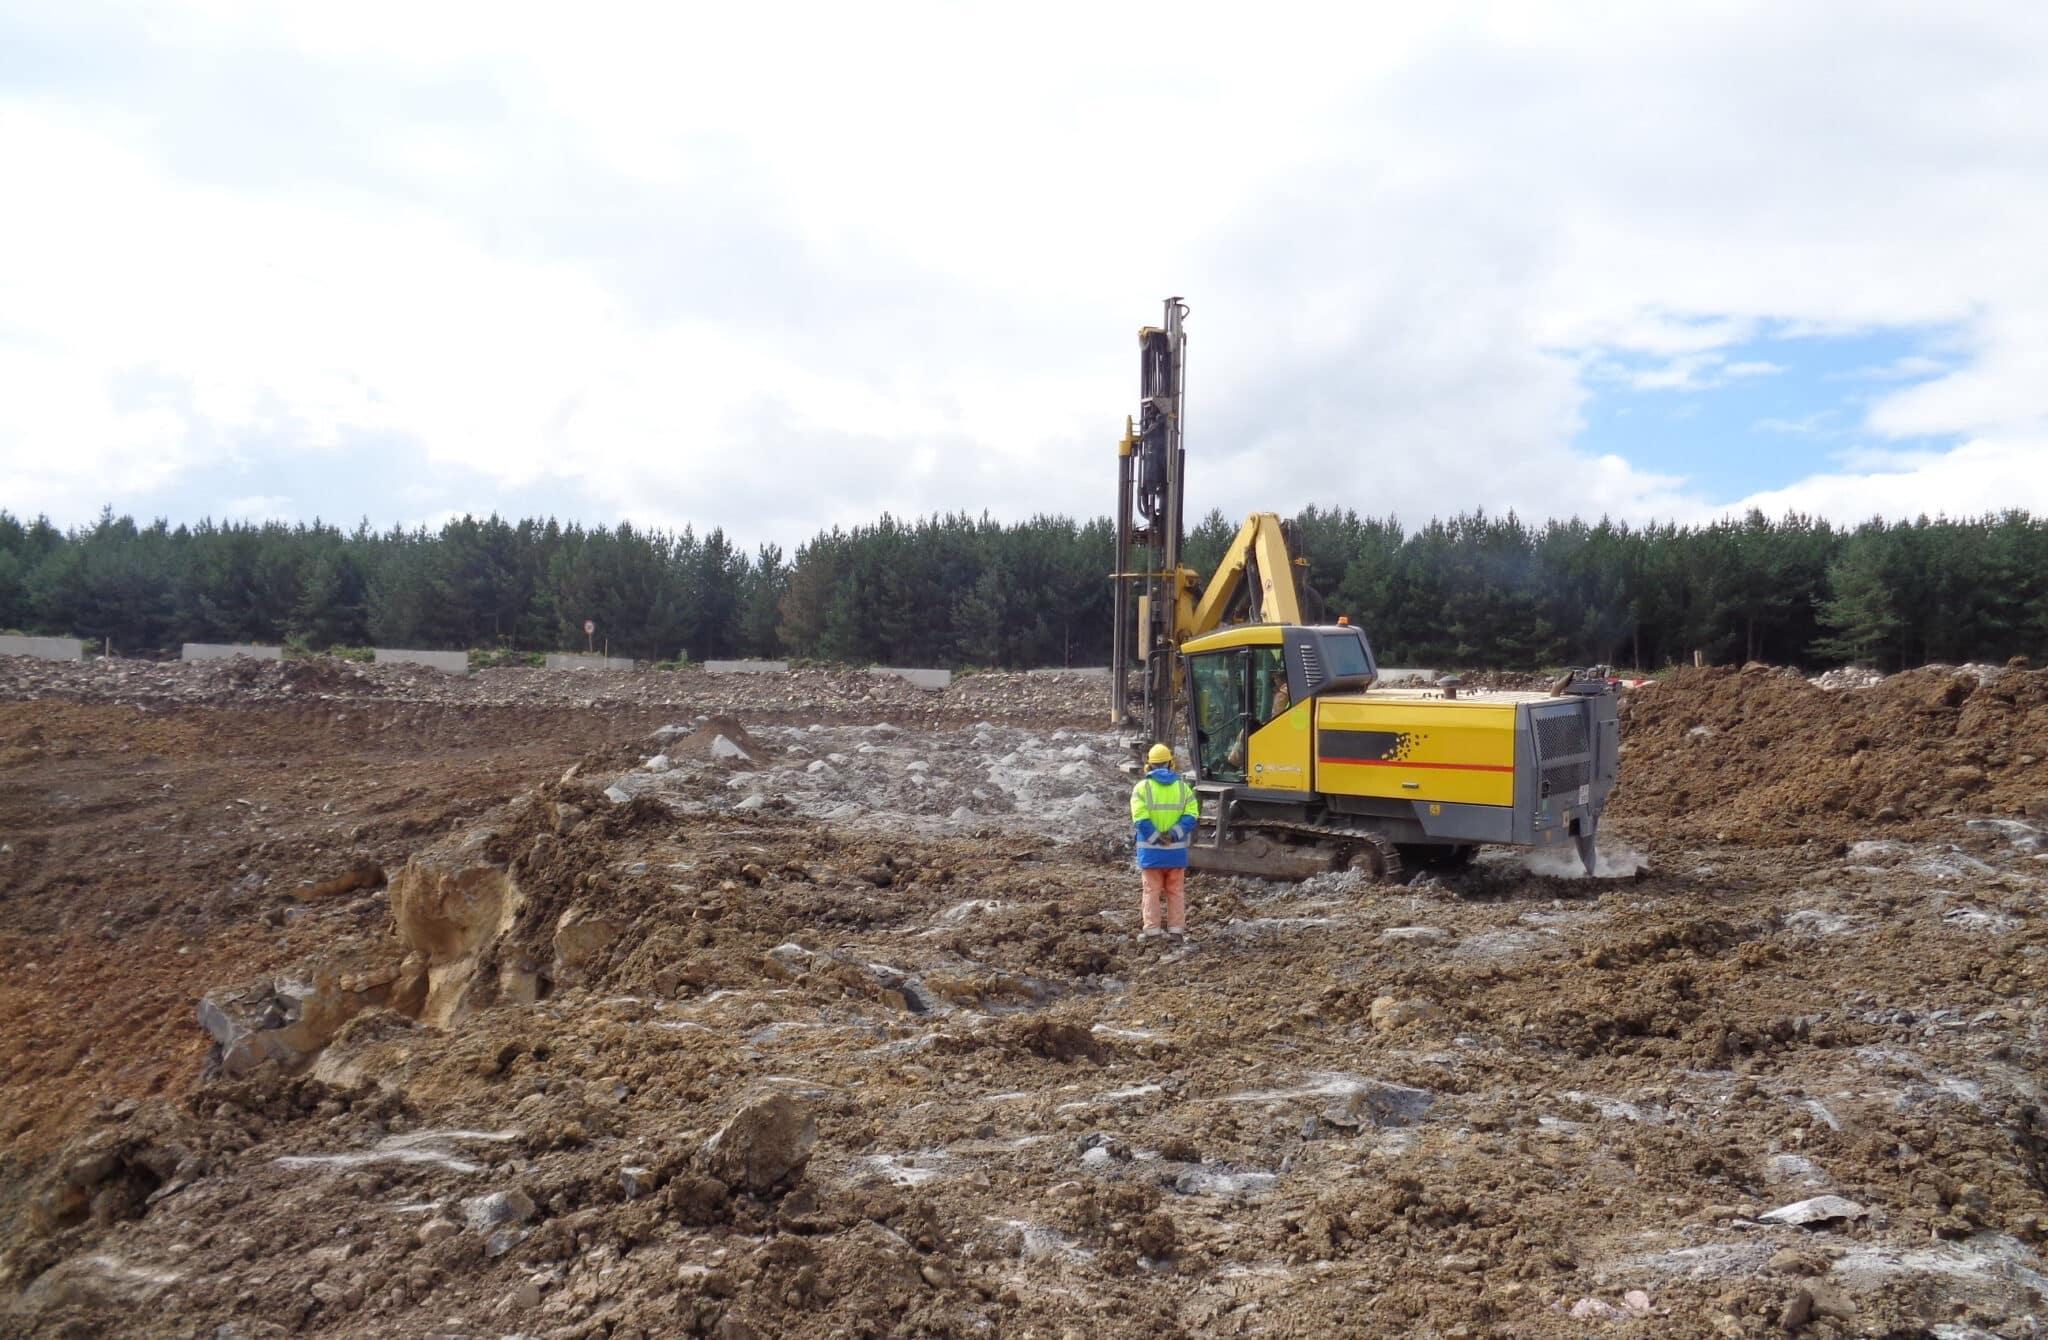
{"points": [[1303, 761]]}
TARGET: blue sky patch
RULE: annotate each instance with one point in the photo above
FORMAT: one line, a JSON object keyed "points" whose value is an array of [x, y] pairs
{"points": [[1756, 415]]}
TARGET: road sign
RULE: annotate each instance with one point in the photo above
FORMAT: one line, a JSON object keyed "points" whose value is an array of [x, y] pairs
{"points": [[589, 627]]}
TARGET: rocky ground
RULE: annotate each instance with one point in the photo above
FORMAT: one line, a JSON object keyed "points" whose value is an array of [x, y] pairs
{"points": [[360, 1002]]}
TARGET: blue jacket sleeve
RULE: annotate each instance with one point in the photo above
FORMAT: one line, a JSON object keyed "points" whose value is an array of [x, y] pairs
{"points": [[1146, 830], [1186, 826]]}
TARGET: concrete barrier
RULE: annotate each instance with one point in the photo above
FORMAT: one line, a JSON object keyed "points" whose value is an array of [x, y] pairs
{"points": [[746, 667], [43, 648], [566, 660], [223, 651], [923, 679], [452, 662], [1091, 671]]}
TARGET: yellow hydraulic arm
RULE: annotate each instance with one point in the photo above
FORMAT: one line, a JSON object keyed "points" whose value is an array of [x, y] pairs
{"points": [[1259, 542]]}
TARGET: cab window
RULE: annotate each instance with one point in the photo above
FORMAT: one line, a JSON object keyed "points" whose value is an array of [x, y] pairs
{"points": [[1218, 680], [1344, 656], [1269, 684]]}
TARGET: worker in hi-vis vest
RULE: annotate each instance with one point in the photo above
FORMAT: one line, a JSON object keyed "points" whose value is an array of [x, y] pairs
{"points": [[1164, 812]]}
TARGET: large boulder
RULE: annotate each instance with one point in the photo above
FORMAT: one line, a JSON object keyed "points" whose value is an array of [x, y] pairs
{"points": [[765, 1145], [290, 1018], [582, 938], [449, 902]]}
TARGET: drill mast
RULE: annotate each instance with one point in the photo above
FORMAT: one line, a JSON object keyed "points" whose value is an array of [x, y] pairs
{"points": [[1151, 467]]}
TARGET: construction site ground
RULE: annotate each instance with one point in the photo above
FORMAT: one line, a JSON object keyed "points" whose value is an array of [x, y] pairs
{"points": [[576, 1004]]}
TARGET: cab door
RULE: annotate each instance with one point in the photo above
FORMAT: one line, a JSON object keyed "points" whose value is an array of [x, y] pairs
{"points": [[1218, 681]]}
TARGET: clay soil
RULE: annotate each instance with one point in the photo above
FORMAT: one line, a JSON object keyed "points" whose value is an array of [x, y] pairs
{"points": [[560, 937]]}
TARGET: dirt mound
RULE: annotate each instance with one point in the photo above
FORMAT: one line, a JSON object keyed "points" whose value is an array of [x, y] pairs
{"points": [[719, 738], [324, 674], [1761, 754]]}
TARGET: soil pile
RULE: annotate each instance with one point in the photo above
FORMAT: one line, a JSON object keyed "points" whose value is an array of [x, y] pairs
{"points": [[1763, 755], [718, 738]]}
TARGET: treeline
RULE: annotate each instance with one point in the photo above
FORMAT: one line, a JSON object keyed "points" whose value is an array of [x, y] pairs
{"points": [[956, 590]]}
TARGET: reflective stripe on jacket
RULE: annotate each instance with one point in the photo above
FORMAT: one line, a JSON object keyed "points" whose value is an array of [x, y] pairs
{"points": [[1164, 812]]}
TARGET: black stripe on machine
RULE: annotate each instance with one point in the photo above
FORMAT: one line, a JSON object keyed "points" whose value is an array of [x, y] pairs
{"points": [[1362, 746]]}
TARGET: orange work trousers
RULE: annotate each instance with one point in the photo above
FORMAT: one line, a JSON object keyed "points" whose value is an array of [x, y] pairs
{"points": [[1172, 885]]}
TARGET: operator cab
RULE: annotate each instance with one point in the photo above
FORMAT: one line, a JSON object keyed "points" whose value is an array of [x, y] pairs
{"points": [[1245, 678]]}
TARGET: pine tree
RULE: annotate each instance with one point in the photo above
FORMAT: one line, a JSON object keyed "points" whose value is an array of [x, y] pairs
{"points": [[1860, 612]]}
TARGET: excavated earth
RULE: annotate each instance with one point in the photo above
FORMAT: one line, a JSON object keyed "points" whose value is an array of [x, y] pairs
{"points": [[352, 1002]]}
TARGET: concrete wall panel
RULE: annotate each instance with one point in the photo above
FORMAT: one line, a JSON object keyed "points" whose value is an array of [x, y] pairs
{"points": [[451, 662], [924, 679], [746, 667], [43, 648], [224, 651], [563, 660]]}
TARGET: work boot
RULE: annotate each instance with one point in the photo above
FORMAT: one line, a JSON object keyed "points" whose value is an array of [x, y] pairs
{"points": [[1150, 933], [1177, 934]]}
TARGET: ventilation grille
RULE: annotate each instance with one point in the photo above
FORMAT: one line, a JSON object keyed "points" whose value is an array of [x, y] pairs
{"points": [[1311, 665], [1564, 759], [1560, 735]]}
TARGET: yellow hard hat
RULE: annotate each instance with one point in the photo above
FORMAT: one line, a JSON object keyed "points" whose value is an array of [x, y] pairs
{"points": [[1159, 756]]}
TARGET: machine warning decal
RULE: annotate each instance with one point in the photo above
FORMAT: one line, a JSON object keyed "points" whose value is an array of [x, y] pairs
{"points": [[1387, 749], [1368, 746]]}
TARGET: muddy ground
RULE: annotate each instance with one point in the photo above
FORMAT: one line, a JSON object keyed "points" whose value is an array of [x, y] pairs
{"points": [[604, 1005]]}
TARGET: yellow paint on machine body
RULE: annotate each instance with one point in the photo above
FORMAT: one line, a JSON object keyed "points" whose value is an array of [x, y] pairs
{"points": [[1406, 748]]}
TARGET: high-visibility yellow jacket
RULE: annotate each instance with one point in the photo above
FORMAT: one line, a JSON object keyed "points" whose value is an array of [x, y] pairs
{"points": [[1164, 812]]}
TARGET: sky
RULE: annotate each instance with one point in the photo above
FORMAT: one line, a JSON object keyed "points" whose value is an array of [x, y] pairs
{"points": [[780, 267]]}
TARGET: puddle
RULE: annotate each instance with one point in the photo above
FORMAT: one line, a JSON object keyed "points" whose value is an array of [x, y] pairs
{"points": [[1278, 925], [1360, 1101], [1713, 1260], [1505, 944], [1617, 1109], [973, 907], [1112, 1096], [1813, 921], [2023, 836], [1950, 865], [416, 1139], [1323, 1084], [899, 1169], [1977, 919], [780, 1029], [1208, 1182], [423, 1147], [1989, 1258], [1036, 1242], [1795, 1169]]}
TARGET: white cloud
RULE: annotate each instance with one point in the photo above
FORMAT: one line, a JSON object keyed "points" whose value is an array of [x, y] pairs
{"points": [[775, 269], [1906, 367], [1820, 423], [1986, 475]]}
